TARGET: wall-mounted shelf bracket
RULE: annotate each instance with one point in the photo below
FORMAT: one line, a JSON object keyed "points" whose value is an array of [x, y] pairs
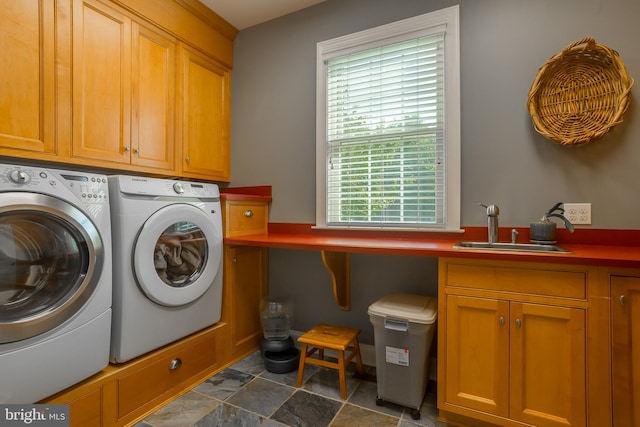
{"points": [[338, 264]]}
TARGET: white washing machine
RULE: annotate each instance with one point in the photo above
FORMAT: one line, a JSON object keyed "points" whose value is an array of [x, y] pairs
{"points": [[55, 280], [167, 276]]}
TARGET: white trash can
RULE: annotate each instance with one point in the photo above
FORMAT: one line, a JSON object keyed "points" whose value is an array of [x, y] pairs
{"points": [[404, 325]]}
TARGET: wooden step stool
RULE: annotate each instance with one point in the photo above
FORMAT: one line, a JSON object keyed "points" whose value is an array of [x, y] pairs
{"points": [[328, 337]]}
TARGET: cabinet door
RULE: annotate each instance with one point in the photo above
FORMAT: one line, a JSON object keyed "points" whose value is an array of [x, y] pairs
{"points": [[172, 367], [86, 402], [477, 354], [28, 84], [153, 101], [101, 83], [205, 104], [86, 410], [547, 378], [246, 284], [625, 334]]}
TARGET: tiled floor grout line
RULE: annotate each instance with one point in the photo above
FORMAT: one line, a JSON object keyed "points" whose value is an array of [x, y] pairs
{"points": [[225, 401], [342, 401], [302, 389]]}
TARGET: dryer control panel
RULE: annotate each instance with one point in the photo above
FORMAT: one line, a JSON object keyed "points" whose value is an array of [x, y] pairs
{"points": [[141, 186]]}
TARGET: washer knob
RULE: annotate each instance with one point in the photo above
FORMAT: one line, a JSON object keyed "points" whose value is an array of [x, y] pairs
{"points": [[19, 177], [178, 187]]}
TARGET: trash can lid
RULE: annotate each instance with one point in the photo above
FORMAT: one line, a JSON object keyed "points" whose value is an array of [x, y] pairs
{"points": [[411, 307]]}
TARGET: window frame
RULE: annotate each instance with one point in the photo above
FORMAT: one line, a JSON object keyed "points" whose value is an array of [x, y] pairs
{"points": [[446, 20]]}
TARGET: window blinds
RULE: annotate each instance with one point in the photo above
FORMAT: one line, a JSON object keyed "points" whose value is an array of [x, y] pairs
{"points": [[385, 135]]}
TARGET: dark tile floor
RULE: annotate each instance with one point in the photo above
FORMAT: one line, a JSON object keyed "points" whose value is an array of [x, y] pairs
{"points": [[246, 394]]}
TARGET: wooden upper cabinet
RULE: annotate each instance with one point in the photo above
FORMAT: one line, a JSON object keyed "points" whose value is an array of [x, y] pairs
{"points": [[153, 103], [205, 99], [101, 83], [28, 50], [124, 90]]}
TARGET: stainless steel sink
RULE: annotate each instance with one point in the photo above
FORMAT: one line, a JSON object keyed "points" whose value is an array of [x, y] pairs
{"points": [[518, 247]]}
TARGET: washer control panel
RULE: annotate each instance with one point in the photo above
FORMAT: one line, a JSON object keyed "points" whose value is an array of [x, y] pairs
{"points": [[89, 188]]}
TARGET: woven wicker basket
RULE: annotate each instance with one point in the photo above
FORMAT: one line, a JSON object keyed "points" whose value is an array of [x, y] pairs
{"points": [[579, 94]]}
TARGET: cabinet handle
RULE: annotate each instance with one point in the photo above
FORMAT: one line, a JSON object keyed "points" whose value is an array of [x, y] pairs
{"points": [[136, 150], [518, 323], [175, 364], [621, 299], [188, 159], [501, 320], [248, 213], [126, 149], [235, 260]]}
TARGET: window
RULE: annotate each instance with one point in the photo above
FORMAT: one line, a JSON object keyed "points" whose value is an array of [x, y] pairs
{"points": [[388, 126]]}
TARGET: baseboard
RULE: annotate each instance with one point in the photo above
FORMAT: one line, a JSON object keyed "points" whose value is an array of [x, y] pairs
{"points": [[368, 353]]}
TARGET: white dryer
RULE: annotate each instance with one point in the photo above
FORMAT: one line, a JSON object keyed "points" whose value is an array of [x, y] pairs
{"points": [[55, 280], [167, 245]]}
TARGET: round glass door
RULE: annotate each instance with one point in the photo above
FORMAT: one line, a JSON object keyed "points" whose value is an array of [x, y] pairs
{"points": [[177, 255], [48, 263]]}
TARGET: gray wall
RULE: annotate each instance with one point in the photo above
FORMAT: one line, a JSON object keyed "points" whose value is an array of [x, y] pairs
{"points": [[504, 161]]}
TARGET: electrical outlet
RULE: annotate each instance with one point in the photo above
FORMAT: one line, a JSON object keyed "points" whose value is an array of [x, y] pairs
{"points": [[578, 213]]}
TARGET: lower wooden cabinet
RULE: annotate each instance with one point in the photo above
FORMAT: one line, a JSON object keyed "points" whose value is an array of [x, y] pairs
{"points": [[512, 341], [516, 360], [245, 284], [548, 364], [86, 410], [625, 337], [141, 386], [246, 271], [477, 379], [242, 217]]}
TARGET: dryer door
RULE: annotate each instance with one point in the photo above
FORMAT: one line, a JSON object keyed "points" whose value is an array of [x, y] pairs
{"points": [[177, 254], [51, 258]]}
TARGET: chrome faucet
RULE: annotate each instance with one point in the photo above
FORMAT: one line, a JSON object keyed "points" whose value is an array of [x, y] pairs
{"points": [[492, 220]]}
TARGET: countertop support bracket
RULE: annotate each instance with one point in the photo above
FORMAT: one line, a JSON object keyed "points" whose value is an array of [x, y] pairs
{"points": [[338, 264]]}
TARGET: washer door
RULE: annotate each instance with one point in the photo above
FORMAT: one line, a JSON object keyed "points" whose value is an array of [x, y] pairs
{"points": [[177, 254], [51, 259]]}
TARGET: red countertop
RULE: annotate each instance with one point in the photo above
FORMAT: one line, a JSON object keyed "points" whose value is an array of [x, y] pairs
{"points": [[614, 248], [603, 247]]}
